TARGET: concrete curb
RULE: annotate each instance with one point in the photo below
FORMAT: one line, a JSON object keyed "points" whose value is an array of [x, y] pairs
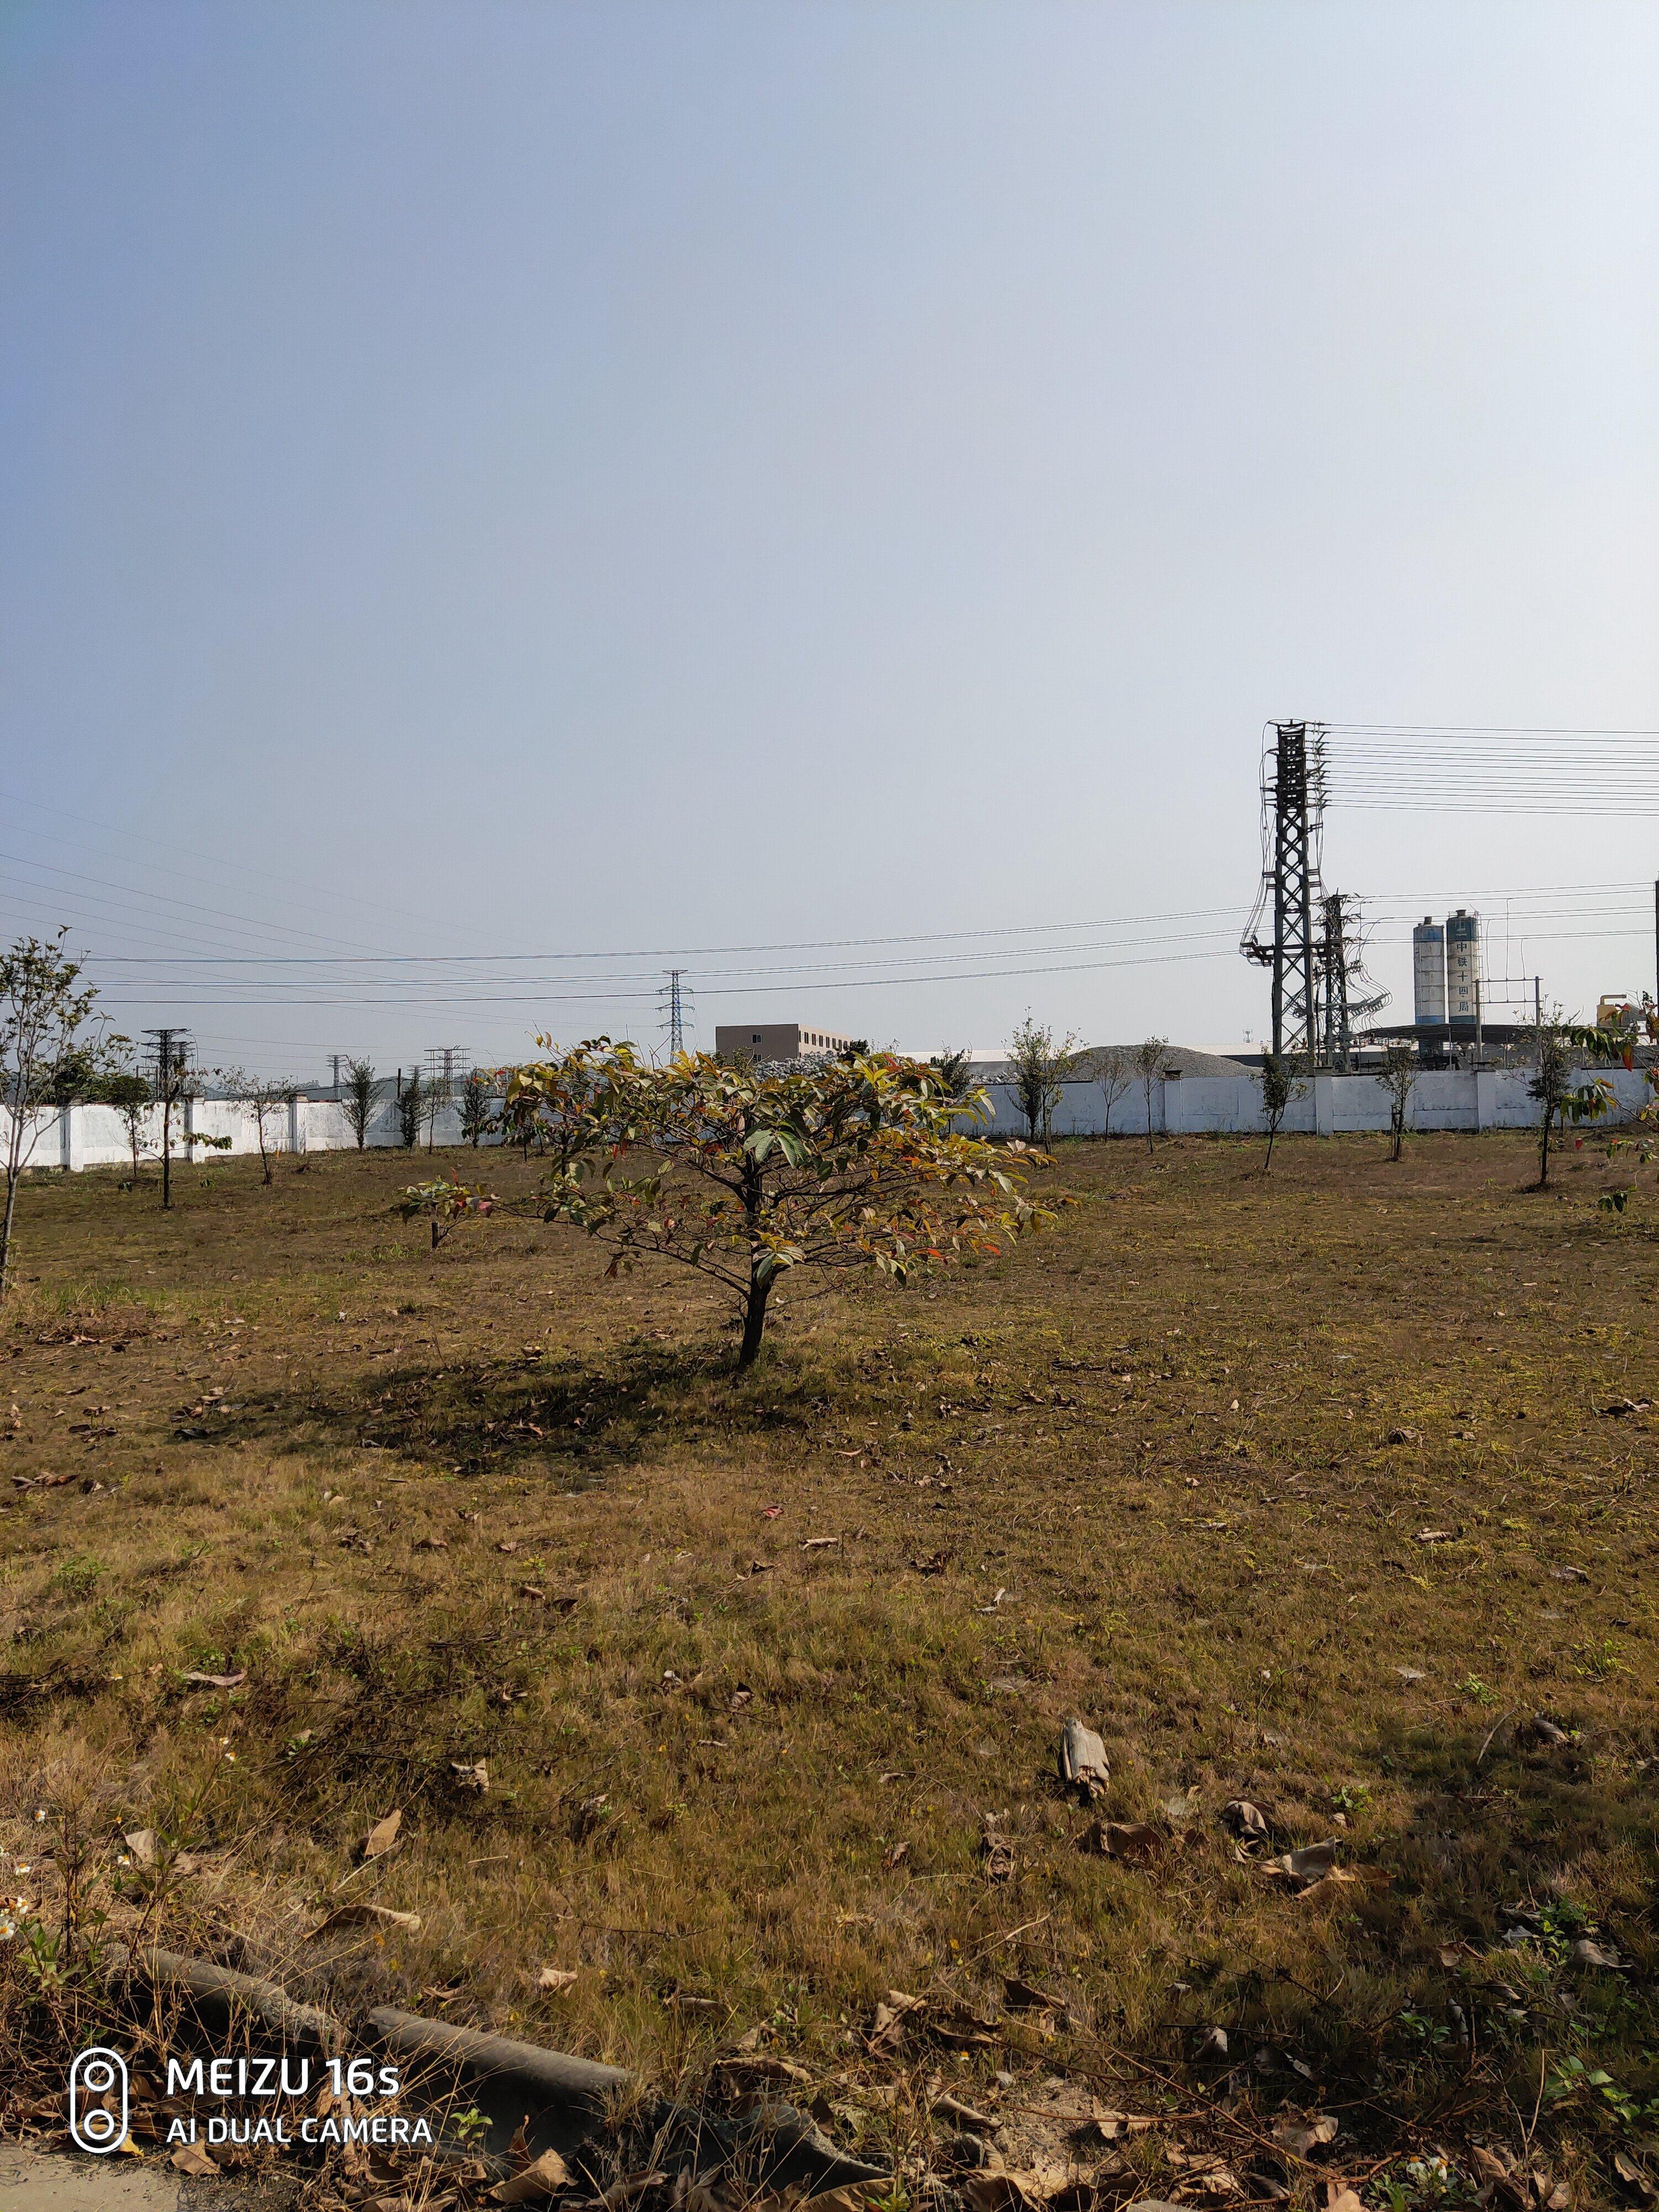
{"points": [[556, 2096]]}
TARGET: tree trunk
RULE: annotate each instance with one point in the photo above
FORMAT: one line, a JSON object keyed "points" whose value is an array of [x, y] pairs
{"points": [[166, 1156], [1544, 1152], [1273, 1131], [754, 1321], [5, 1231]]}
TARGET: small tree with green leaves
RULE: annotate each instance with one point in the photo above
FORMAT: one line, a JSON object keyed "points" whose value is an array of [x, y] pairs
{"points": [[1558, 1049], [411, 1110], [1041, 1070], [955, 1070], [755, 1179], [1148, 1058], [127, 1090], [1279, 1086], [1398, 1076], [477, 1106], [358, 1099], [45, 1011], [269, 1099]]}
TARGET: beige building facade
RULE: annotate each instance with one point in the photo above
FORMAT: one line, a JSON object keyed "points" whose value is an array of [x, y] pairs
{"points": [[776, 1041]]}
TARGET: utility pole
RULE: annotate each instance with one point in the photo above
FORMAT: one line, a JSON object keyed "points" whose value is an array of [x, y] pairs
{"points": [[170, 1056], [335, 1057]]}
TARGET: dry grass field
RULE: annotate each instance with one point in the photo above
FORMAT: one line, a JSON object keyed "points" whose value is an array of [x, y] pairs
{"points": [[1317, 1490]]}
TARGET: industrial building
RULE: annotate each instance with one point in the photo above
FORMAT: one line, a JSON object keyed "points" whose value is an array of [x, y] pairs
{"points": [[773, 1041]]}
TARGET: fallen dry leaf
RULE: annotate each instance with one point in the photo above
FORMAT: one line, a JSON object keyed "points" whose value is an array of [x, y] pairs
{"points": [[897, 1856], [471, 1774], [191, 2158], [1299, 2136], [1309, 1865], [432, 1543], [1584, 1953], [752, 2067], [217, 1681], [1633, 2176], [556, 1978], [1132, 1842], [1338, 2198], [1246, 1822], [1436, 1535], [382, 1836], [892, 2014], [142, 1844], [544, 2177], [365, 1916]]}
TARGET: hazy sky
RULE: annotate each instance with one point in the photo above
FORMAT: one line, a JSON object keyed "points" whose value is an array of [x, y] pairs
{"points": [[547, 479]]}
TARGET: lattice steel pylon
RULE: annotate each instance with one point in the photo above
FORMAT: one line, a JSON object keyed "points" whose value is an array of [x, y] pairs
{"points": [[1293, 826], [675, 998], [1346, 993]]}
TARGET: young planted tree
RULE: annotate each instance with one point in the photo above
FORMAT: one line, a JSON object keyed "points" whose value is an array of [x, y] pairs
{"points": [[1042, 1069], [1113, 1072], [1148, 1060], [358, 1099], [477, 1105], [848, 1165], [411, 1110], [1278, 1089], [45, 1011], [269, 1101], [128, 1091], [1559, 1049], [955, 1070], [173, 1080], [1398, 1075]]}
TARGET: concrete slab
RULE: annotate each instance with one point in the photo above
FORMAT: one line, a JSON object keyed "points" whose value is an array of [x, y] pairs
{"points": [[47, 2181], [32, 2181]]}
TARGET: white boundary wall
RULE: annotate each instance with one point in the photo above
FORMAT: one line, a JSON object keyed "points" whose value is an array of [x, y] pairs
{"points": [[1327, 1105], [96, 1136], [1197, 1105]]}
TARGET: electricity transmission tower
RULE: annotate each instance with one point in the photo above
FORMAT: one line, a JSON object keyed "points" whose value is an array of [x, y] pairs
{"points": [[675, 998], [1347, 995], [445, 1065], [1319, 986], [1292, 823]]}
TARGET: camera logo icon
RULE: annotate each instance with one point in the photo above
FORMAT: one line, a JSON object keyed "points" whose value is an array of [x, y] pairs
{"points": [[95, 2076]]}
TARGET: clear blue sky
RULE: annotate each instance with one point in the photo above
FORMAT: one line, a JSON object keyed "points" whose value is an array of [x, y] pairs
{"points": [[545, 479]]}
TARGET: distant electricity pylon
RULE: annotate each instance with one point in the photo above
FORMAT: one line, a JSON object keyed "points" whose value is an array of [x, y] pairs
{"points": [[1320, 988], [1348, 996], [1292, 821], [674, 997]]}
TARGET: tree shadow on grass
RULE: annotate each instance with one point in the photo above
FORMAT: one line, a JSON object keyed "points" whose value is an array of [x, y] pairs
{"points": [[479, 1416]]}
